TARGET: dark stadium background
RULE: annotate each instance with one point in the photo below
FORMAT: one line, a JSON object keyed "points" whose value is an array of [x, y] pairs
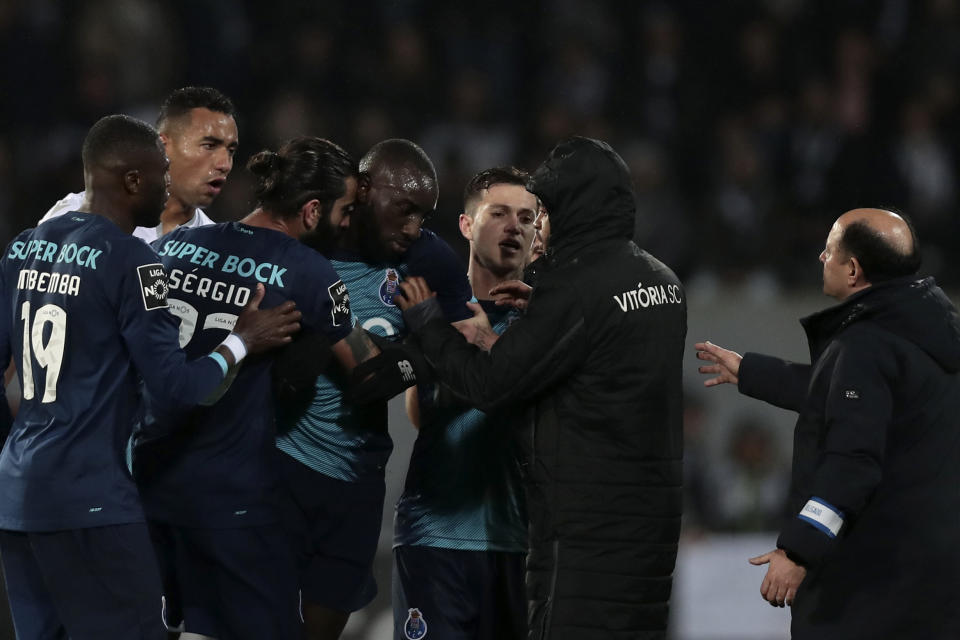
{"points": [[748, 127]]}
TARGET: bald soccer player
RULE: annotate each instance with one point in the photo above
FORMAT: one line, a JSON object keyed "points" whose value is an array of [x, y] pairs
{"points": [[870, 548]]}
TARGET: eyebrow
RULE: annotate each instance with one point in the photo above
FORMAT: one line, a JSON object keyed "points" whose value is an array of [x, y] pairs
{"points": [[220, 141]]}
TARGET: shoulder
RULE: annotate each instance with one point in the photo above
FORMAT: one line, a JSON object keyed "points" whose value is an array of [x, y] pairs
{"points": [[429, 253], [200, 219], [69, 202]]}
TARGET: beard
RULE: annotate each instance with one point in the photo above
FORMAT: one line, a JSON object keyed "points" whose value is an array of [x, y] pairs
{"points": [[323, 238]]}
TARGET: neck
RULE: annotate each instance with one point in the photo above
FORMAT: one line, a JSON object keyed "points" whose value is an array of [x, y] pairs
{"points": [[103, 205], [482, 279], [175, 213]]}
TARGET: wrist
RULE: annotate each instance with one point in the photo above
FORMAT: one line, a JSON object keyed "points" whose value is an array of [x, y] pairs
{"points": [[235, 344]]}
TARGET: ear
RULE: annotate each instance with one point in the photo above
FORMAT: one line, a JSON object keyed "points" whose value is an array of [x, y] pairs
{"points": [[165, 139], [363, 187], [132, 180], [855, 277], [466, 226], [310, 214]]}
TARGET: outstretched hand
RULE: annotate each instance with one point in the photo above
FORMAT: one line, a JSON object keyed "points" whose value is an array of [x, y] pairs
{"points": [[262, 330], [413, 291], [477, 330], [726, 363], [783, 578], [512, 292]]}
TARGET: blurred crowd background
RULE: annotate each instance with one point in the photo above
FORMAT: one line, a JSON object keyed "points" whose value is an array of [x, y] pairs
{"points": [[748, 125]]}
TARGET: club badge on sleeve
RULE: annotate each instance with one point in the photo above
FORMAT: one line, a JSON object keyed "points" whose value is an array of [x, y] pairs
{"points": [[340, 313]]}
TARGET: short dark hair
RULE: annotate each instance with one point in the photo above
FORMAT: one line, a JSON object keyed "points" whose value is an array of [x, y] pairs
{"points": [[115, 139], [302, 169], [182, 101], [398, 151], [880, 260], [490, 177]]}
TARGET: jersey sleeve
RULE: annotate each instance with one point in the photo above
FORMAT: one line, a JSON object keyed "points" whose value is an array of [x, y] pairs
{"points": [[327, 310], [151, 335], [6, 420], [857, 412], [432, 258]]}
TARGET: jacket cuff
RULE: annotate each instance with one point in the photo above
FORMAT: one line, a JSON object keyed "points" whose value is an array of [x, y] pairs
{"points": [[420, 314], [751, 378], [811, 535]]}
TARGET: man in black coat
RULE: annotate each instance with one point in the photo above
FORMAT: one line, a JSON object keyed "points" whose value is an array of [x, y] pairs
{"points": [[871, 551], [598, 354]]}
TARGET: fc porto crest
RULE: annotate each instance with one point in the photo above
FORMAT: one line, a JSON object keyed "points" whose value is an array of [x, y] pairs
{"points": [[415, 627], [389, 286]]}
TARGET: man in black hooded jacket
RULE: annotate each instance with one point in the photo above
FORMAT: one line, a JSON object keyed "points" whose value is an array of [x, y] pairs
{"points": [[599, 355], [871, 551]]}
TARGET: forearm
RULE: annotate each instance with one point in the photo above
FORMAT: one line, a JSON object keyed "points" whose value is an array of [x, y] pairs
{"points": [[778, 382]]}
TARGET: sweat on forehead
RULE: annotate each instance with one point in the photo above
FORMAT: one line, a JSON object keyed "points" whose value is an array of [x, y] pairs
{"points": [[398, 156]]}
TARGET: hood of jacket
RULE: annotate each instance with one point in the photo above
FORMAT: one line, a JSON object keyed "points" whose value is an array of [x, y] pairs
{"points": [[915, 310], [586, 189]]}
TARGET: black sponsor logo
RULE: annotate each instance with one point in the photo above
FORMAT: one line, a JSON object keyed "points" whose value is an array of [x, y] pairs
{"points": [[340, 314], [153, 286]]}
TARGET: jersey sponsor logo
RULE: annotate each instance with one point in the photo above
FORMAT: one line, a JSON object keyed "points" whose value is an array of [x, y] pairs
{"points": [[153, 286], [45, 251], [340, 314], [649, 296], [389, 286], [851, 394], [415, 628]]}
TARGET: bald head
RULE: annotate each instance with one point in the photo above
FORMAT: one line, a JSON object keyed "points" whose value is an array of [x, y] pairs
{"points": [[867, 247], [396, 156]]}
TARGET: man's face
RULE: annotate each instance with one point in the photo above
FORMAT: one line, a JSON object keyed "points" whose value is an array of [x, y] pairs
{"points": [[501, 230], [397, 203], [836, 265], [201, 146], [541, 234], [154, 188], [331, 226]]}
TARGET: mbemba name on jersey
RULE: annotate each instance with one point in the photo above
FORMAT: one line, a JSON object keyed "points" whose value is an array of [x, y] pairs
{"points": [[83, 313]]}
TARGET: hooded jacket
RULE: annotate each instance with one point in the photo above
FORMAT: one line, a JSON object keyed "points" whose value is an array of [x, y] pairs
{"points": [[598, 354], [875, 492]]}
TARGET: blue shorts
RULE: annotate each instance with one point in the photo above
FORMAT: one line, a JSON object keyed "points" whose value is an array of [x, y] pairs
{"points": [[458, 595], [334, 527], [228, 583], [87, 584]]}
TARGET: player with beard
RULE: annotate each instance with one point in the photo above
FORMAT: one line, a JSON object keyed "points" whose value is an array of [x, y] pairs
{"points": [[209, 490], [333, 457], [461, 521], [199, 132], [92, 305]]}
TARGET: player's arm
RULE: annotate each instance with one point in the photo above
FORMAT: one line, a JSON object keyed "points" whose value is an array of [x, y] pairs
{"points": [[6, 419], [858, 412], [544, 346], [151, 335]]}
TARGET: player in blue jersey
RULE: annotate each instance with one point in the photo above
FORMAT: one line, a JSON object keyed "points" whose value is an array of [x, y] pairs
{"points": [[460, 531], [334, 456], [199, 132], [83, 312], [210, 487]]}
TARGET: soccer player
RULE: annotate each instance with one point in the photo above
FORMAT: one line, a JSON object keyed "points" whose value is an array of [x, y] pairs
{"points": [[210, 489], [460, 534], [83, 311], [333, 458], [199, 132]]}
